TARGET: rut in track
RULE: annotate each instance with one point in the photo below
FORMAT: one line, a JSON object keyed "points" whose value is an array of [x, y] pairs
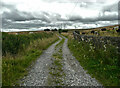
{"points": [[58, 67]]}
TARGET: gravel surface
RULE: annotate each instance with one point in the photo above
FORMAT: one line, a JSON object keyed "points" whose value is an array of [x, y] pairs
{"points": [[75, 75], [56, 72], [38, 74]]}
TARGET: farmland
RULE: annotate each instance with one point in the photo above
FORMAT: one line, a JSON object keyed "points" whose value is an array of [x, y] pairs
{"points": [[110, 31], [98, 55]]}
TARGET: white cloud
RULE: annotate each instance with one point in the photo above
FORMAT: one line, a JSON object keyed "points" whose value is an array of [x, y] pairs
{"points": [[54, 12]]}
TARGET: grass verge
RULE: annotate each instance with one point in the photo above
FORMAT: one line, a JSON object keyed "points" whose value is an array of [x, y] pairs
{"points": [[13, 69], [56, 71], [101, 64], [60, 43]]}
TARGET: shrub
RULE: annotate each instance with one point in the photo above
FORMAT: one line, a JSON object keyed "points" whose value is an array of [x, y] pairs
{"points": [[12, 44]]}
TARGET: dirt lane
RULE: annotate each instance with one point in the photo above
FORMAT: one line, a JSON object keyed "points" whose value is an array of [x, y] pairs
{"points": [[39, 72], [47, 73], [75, 74]]}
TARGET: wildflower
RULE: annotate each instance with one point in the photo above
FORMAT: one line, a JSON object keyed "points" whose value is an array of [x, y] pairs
{"points": [[82, 39], [117, 47], [104, 47]]}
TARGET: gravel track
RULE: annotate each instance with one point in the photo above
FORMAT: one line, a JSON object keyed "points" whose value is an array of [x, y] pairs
{"points": [[38, 74], [75, 75]]}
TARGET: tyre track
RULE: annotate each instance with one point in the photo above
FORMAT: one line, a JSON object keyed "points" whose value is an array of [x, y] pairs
{"points": [[38, 74], [75, 74]]}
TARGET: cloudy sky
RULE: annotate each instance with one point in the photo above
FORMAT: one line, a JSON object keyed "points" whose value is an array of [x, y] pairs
{"points": [[19, 15]]}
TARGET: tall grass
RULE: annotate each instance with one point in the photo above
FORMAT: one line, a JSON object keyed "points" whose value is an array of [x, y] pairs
{"points": [[14, 68], [100, 63], [13, 44], [103, 64]]}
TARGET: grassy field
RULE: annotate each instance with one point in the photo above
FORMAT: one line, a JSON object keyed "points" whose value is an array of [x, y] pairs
{"points": [[15, 67], [101, 64], [13, 44], [109, 31]]}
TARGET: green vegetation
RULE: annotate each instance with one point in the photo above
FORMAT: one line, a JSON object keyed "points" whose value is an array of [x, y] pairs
{"points": [[60, 30], [13, 44], [56, 71], [109, 33], [103, 64], [65, 30], [60, 43], [57, 55], [14, 68]]}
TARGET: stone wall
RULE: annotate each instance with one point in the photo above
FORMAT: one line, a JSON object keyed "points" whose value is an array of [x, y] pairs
{"points": [[98, 41]]}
